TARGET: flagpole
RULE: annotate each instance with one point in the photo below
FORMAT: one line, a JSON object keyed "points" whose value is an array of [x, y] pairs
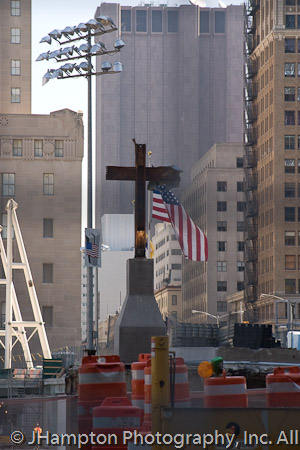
{"points": [[149, 208]]}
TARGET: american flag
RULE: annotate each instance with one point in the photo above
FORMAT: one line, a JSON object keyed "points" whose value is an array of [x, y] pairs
{"points": [[192, 240], [92, 250]]}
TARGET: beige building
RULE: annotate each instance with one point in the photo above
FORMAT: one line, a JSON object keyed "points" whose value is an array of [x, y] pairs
{"points": [[272, 148], [41, 159], [169, 300], [215, 200], [15, 56]]}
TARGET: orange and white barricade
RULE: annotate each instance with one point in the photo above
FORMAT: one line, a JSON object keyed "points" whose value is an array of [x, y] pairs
{"points": [[225, 392], [283, 387]]}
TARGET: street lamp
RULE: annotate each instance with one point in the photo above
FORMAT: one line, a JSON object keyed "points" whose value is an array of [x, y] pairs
{"points": [[195, 311], [290, 310], [84, 31]]}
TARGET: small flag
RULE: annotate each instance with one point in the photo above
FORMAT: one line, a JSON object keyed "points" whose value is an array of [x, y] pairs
{"points": [[92, 250], [192, 240]]}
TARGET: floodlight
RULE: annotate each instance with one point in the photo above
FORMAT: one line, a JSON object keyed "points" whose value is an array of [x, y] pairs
{"points": [[81, 28], [106, 66], [92, 24], [117, 66], [84, 66], [55, 54], [68, 67], [68, 31], [43, 56], [119, 44], [55, 34], [46, 77], [67, 51], [46, 39], [99, 47], [106, 21], [57, 74], [84, 48]]}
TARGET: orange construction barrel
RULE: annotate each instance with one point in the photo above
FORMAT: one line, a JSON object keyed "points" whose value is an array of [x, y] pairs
{"points": [[225, 392], [182, 397], [137, 380], [283, 387]]}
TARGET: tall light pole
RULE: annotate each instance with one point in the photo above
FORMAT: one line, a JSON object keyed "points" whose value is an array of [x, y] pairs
{"points": [[195, 311], [84, 31]]}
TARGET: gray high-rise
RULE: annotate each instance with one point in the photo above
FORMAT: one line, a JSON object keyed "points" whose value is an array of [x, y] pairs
{"points": [[180, 92]]}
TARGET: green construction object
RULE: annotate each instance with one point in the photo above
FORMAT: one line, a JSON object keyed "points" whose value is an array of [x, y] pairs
{"points": [[217, 364], [52, 367]]}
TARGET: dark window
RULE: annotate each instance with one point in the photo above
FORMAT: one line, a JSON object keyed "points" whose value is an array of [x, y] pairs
{"points": [[239, 163], [289, 69], [289, 214], [240, 186], [221, 206], [289, 166], [289, 45], [290, 21], [17, 147], [241, 206], [176, 266], [289, 142], [240, 246], [48, 184], [298, 163], [156, 21], [174, 299], [290, 286], [221, 286], [289, 117], [298, 214], [221, 245], [289, 190], [38, 148], [47, 313], [298, 26], [299, 142], [222, 226], [172, 21], [289, 94], [290, 2], [221, 306], [47, 273], [204, 21], [221, 186], [141, 21], [240, 226], [219, 22], [240, 286], [59, 149], [240, 266], [290, 238], [48, 228], [126, 20]]}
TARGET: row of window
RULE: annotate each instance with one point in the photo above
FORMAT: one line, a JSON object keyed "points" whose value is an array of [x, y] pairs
{"points": [[222, 206], [38, 148], [156, 21], [292, 21], [222, 186], [47, 227], [222, 266], [9, 184], [292, 2], [222, 246], [289, 165], [222, 225], [290, 286], [222, 286], [290, 94], [219, 24]]}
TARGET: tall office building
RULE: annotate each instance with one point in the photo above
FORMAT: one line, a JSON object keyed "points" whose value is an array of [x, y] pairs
{"points": [[15, 56], [215, 200], [272, 141], [180, 92]]}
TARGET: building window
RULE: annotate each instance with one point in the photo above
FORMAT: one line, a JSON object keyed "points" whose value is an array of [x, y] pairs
{"points": [[174, 299], [17, 147], [240, 226], [141, 20], [172, 21], [289, 117], [240, 266], [8, 185], [47, 314], [289, 190], [221, 206], [289, 94], [241, 206], [48, 184], [126, 20], [59, 149], [289, 166], [221, 286], [15, 35], [221, 186], [240, 186], [290, 21], [38, 148], [290, 262], [222, 225], [221, 306], [240, 286], [15, 7], [290, 238], [290, 286], [15, 67], [289, 214], [221, 246], [175, 251], [48, 228], [219, 22], [176, 266], [290, 2], [222, 266], [289, 142], [15, 96], [239, 163], [289, 45], [47, 273], [204, 21], [240, 246], [156, 21], [289, 69]]}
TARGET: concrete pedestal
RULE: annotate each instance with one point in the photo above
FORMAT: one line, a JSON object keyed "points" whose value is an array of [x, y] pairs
{"points": [[140, 318]]}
